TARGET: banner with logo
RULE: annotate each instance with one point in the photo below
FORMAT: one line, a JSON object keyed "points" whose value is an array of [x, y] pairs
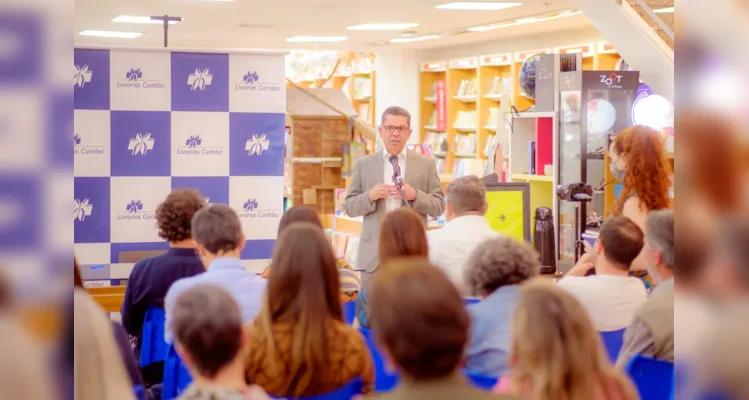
{"points": [[148, 121]]}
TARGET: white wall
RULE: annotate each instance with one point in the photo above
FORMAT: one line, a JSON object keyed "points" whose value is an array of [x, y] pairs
{"points": [[397, 84], [519, 43]]}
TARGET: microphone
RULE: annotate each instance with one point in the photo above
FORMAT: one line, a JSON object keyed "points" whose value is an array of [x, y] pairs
{"points": [[398, 179]]}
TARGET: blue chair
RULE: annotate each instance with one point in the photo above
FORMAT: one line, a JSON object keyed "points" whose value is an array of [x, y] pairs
{"points": [[384, 380], [468, 301], [176, 376], [153, 348], [654, 379], [481, 381], [349, 312], [613, 341], [140, 392], [352, 389]]}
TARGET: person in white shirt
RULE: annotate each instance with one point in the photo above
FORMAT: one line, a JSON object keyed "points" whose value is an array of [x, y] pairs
{"points": [[466, 228], [611, 296]]}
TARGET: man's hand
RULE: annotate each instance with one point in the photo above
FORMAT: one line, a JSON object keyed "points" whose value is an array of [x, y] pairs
{"points": [[583, 266], [379, 191], [410, 192]]}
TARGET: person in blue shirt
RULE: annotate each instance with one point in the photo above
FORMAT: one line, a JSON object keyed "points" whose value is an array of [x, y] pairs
{"points": [[217, 231], [495, 270]]}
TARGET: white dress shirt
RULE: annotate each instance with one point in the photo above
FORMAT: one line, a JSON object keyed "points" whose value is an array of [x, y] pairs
{"points": [[391, 203], [452, 245], [611, 300]]}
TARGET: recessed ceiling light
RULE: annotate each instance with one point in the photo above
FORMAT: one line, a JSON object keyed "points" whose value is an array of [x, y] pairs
{"points": [[414, 39], [664, 10], [523, 21], [131, 19], [110, 34], [383, 27], [476, 6], [312, 39]]}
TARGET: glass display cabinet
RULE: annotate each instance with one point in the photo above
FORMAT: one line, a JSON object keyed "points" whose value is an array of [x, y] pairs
{"points": [[594, 106]]}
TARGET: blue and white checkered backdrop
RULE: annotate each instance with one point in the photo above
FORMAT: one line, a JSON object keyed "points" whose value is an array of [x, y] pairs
{"points": [[151, 120]]}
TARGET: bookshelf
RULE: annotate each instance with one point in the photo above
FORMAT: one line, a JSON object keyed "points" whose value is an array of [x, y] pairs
{"points": [[462, 117], [495, 76], [432, 118]]}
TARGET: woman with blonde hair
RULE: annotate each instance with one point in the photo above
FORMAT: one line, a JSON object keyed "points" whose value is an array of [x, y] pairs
{"points": [[99, 372], [300, 345], [556, 353]]}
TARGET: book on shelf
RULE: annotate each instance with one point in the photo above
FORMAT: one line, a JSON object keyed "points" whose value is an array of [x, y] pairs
{"points": [[362, 87], [441, 164], [433, 119], [433, 92], [500, 85], [352, 249], [465, 118], [489, 147], [532, 157], [467, 87], [351, 151], [468, 166], [493, 118], [437, 141], [340, 198], [465, 144]]}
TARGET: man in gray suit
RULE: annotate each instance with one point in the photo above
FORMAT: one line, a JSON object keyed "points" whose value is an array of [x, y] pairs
{"points": [[387, 180]]}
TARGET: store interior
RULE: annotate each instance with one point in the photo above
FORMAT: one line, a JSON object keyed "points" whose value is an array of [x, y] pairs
{"points": [[466, 71]]}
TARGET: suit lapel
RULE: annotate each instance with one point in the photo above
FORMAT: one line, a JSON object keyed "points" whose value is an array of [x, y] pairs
{"points": [[410, 158], [379, 168]]}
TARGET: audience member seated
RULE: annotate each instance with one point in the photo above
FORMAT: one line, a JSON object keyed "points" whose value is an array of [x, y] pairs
{"points": [[652, 331], [300, 345], [611, 296], [495, 271], [212, 343], [350, 282], [152, 277], [402, 234], [450, 246], [421, 326], [218, 233], [556, 351], [99, 371]]}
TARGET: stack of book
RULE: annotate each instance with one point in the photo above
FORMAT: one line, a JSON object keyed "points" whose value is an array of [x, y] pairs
{"points": [[500, 85], [468, 166], [465, 119], [467, 87], [465, 144], [437, 141], [493, 119]]}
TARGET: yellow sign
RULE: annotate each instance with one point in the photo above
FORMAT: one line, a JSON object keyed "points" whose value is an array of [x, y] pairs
{"points": [[505, 213]]}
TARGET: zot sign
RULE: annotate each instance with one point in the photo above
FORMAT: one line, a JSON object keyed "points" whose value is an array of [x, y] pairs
{"points": [[611, 79]]}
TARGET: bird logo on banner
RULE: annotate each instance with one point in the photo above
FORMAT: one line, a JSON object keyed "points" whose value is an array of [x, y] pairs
{"points": [[141, 144], [200, 79], [257, 145], [81, 209]]}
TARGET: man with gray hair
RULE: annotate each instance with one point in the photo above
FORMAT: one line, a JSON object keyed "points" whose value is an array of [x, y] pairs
{"points": [[386, 180], [452, 245], [652, 331], [217, 231]]}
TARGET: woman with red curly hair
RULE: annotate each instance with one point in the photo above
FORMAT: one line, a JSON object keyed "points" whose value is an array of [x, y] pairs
{"points": [[638, 160]]}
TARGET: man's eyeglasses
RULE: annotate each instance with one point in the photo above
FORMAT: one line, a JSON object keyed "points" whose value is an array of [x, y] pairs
{"points": [[391, 129]]}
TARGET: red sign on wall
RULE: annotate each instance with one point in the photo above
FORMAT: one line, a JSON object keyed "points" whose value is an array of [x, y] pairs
{"points": [[441, 103]]}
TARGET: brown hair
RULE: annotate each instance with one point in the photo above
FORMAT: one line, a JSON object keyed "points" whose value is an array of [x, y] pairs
{"points": [[174, 215], [398, 112], [557, 353], [467, 194], [303, 289], [418, 316], [207, 325], [648, 171], [217, 228], [298, 214], [402, 234], [622, 240]]}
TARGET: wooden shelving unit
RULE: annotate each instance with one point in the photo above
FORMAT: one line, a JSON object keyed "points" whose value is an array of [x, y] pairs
{"points": [[433, 77], [495, 75], [462, 112]]}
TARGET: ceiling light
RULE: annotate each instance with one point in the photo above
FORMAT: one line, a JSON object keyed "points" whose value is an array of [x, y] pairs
{"points": [[476, 6], [110, 34], [131, 19], [523, 21], [664, 10], [414, 39], [383, 27], [308, 39]]}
